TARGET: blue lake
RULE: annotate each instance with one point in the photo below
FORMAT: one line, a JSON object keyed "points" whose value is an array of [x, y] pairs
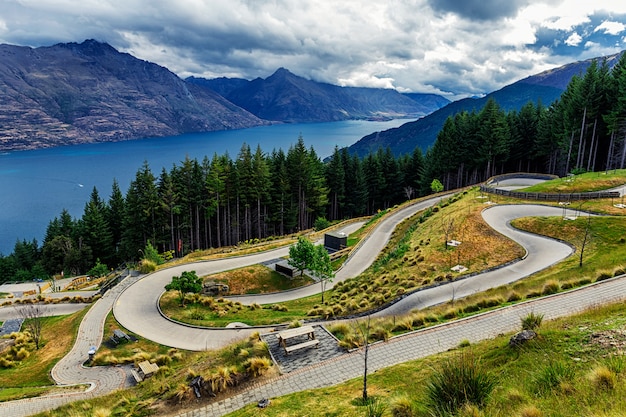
{"points": [[35, 186]]}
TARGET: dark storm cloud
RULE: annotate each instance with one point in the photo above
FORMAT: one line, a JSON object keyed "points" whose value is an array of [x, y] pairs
{"points": [[479, 9]]}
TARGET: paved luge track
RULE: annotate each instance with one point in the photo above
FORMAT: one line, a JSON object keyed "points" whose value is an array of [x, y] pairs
{"points": [[135, 300]]}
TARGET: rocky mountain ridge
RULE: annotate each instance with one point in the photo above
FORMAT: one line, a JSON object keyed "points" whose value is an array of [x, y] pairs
{"points": [[89, 92], [286, 97]]}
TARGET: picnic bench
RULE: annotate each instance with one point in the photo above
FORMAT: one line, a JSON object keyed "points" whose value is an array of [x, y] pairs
{"points": [[288, 334], [119, 336], [144, 369]]}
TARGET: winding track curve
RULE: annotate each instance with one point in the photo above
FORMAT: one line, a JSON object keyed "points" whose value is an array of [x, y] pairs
{"points": [[135, 301]]}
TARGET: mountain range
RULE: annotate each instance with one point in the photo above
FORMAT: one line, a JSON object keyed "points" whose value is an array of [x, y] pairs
{"points": [[289, 98], [89, 92], [542, 88], [73, 93]]}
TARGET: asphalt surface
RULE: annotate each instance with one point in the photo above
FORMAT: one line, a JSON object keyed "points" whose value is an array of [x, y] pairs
{"points": [[136, 308]]}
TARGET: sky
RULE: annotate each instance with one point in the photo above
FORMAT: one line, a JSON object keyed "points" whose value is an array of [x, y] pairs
{"points": [[456, 48]]}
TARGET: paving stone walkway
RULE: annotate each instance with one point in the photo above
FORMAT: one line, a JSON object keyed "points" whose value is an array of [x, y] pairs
{"points": [[327, 349], [11, 326]]}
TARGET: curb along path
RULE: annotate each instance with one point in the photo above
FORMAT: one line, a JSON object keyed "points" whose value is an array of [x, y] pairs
{"points": [[420, 344]]}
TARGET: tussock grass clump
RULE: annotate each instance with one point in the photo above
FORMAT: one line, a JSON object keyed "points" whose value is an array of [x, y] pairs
{"points": [[401, 407], [554, 375], [380, 332], [459, 381], [295, 324], [619, 270], [550, 287], [602, 377], [603, 274], [339, 330], [532, 321], [450, 313], [101, 412], [375, 407], [530, 411], [616, 363], [404, 324], [471, 308], [513, 296], [418, 319], [257, 366], [146, 266]]}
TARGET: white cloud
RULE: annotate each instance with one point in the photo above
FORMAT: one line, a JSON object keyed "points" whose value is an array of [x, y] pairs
{"points": [[574, 39], [611, 28]]}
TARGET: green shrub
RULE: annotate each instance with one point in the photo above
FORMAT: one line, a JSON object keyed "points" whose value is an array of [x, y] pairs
{"points": [[459, 381], [321, 223]]}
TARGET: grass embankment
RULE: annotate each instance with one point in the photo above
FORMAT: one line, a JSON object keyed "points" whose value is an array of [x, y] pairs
{"points": [[416, 257], [582, 183], [574, 368], [29, 376]]}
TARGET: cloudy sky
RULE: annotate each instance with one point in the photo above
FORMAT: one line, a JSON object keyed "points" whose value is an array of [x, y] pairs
{"points": [[452, 47]]}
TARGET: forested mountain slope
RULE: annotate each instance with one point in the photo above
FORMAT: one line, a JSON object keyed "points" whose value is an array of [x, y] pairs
{"points": [[542, 88]]}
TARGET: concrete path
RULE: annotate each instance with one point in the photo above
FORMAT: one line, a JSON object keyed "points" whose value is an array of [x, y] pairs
{"points": [[48, 310]]}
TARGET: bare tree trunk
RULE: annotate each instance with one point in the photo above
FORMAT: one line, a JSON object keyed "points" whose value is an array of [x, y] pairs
{"points": [[610, 153], [593, 146], [569, 152], [621, 165], [580, 141]]}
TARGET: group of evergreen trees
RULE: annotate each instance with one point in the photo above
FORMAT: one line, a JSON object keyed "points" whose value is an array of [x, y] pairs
{"points": [[585, 130], [217, 202], [223, 201]]}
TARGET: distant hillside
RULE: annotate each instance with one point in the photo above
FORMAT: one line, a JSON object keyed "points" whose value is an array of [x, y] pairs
{"points": [[89, 92], [544, 87], [289, 98]]}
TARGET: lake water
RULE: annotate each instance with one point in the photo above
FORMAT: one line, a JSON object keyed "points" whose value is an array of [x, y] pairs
{"points": [[35, 186]]}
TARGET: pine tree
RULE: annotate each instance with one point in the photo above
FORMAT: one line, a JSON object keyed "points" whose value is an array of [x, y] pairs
{"points": [[95, 230], [115, 218]]}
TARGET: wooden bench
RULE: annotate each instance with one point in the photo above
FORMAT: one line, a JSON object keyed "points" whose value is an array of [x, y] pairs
{"points": [[297, 332], [302, 345], [136, 375]]}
